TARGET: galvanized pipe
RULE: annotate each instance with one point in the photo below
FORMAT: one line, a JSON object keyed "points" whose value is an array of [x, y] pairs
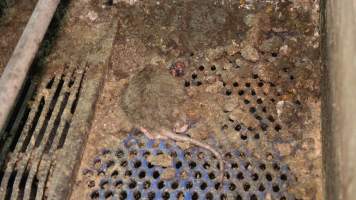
{"points": [[19, 64]]}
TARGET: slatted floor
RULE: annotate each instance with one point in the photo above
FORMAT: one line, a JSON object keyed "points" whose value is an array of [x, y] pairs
{"points": [[39, 130]]}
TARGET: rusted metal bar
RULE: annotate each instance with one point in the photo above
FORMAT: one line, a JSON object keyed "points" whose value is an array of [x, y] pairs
{"points": [[19, 64]]}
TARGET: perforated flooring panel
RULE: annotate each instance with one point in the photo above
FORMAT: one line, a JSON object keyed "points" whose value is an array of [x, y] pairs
{"points": [[242, 75], [128, 172]]}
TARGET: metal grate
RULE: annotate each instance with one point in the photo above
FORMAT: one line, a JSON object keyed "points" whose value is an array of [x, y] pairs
{"points": [[256, 96], [40, 128], [128, 172]]}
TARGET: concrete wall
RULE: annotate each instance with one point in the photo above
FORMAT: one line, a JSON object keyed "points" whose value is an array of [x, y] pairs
{"points": [[339, 100]]}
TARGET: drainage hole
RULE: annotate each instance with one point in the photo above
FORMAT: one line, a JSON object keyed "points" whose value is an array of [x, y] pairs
{"points": [[253, 93], [212, 175], [227, 175], [123, 163], [275, 188], [178, 164], [246, 186], [110, 163], [160, 185], [142, 174], [114, 174], [254, 177], [118, 183], [203, 186], [217, 186], [175, 185], [232, 187], [189, 185], [137, 164], [195, 196], [180, 195], [128, 173], [151, 195], [103, 184], [264, 126], [192, 165], [146, 184], [261, 188], [283, 177], [201, 68], [253, 197], [276, 167], [146, 153], [123, 195], [91, 184], [240, 176], [173, 154], [228, 155], [133, 153], [262, 166], [201, 155], [186, 83], [197, 175], [165, 195], [269, 177], [213, 68], [155, 174], [238, 127], [137, 195], [206, 165], [94, 195], [252, 109], [108, 194], [243, 137], [264, 109], [223, 197], [234, 165], [238, 197], [257, 136], [132, 184], [209, 196], [277, 127], [149, 165], [270, 118]]}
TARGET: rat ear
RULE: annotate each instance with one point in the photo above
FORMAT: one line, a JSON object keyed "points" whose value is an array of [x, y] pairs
{"points": [[135, 131]]}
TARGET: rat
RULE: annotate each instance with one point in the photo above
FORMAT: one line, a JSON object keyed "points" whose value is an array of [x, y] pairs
{"points": [[153, 101]]}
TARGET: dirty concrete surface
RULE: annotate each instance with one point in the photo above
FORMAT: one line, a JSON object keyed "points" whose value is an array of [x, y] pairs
{"points": [[249, 80]]}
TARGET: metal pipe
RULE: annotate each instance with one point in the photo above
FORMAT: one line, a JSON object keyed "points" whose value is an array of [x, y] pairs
{"points": [[339, 101], [19, 64]]}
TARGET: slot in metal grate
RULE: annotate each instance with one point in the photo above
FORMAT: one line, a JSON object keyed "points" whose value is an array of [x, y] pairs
{"points": [[40, 128]]}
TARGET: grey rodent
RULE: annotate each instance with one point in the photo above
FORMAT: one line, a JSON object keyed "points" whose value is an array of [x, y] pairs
{"points": [[153, 97]]}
